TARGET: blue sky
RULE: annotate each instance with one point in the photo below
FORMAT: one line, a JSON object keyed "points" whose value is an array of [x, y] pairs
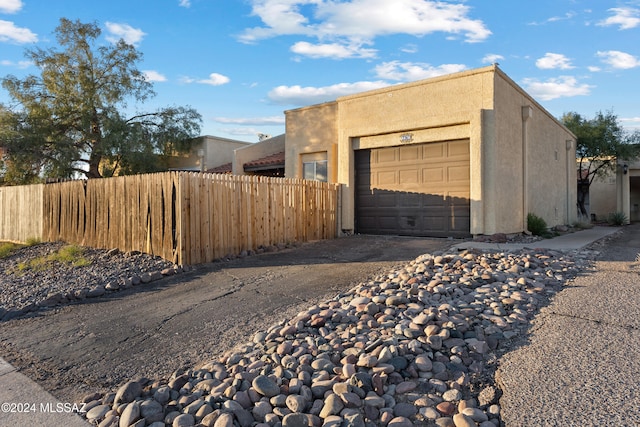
{"points": [[242, 63]]}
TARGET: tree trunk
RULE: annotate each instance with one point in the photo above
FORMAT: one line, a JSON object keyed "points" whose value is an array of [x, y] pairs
{"points": [[94, 167], [583, 194], [96, 157]]}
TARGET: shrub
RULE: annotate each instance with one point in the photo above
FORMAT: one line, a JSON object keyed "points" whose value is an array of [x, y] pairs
{"points": [[617, 218], [536, 225], [6, 249], [69, 254], [32, 241]]}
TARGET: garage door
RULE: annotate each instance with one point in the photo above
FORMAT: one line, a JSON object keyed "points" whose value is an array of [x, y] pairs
{"points": [[415, 190]]}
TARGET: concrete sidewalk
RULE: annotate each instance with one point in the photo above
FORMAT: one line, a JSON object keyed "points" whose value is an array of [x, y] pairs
{"points": [[581, 362], [25, 403], [569, 241]]}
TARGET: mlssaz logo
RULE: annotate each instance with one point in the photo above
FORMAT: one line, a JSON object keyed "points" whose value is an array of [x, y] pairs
{"points": [[406, 138]]}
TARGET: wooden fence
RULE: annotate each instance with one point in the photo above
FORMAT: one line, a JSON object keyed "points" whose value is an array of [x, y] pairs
{"points": [[21, 212], [188, 218]]}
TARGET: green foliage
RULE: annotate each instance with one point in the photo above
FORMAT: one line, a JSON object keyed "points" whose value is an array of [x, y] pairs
{"points": [[70, 254], [71, 121], [617, 218], [7, 249], [32, 241], [601, 142], [536, 225]]}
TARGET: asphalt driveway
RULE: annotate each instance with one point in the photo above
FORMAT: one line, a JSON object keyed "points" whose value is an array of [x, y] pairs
{"points": [[157, 328]]}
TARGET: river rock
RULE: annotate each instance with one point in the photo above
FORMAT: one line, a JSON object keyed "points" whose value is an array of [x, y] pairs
{"points": [[265, 386]]}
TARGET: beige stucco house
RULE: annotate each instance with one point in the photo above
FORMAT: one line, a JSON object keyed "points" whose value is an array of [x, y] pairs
{"points": [[618, 191], [207, 153], [261, 158], [464, 154]]}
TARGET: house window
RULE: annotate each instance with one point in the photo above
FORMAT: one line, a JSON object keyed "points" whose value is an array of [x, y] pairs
{"points": [[315, 170]]}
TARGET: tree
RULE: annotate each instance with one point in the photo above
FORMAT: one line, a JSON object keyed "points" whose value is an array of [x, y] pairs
{"points": [[70, 120], [601, 142]]}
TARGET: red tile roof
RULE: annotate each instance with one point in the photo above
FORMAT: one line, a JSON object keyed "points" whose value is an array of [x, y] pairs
{"points": [[273, 161], [226, 168]]}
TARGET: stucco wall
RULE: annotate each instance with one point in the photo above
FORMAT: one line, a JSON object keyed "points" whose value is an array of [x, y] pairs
{"points": [[533, 163], [256, 151], [617, 192], [217, 151], [603, 196], [312, 129]]}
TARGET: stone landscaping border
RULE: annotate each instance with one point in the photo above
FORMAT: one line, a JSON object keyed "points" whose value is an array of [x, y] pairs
{"points": [[413, 347]]}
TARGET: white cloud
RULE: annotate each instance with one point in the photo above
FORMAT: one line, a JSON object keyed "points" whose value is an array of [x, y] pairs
{"points": [[214, 79], [411, 71], [561, 87], [625, 17], [631, 123], [244, 131], [298, 95], [332, 50], [553, 61], [492, 58], [564, 17], [125, 32], [19, 64], [255, 121], [619, 60], [10, 33], [185, 3], [154, 76], [410, 48], [10, 6], [358, 22], [630, 119], [594, 69]]}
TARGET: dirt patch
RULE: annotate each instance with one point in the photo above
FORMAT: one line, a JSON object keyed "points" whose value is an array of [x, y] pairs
{"points": [[152, 330]]}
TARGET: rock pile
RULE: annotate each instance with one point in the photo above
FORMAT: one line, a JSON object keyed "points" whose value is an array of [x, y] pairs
{"points": [[30, 289], [412, 347]]}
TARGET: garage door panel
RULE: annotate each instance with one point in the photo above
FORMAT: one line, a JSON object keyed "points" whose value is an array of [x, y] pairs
{"points": [[458, 149], [434, 223], [387, 223], [386, 179], [433, 175], [410, 200], [434, 151], [367, 222], [458, 173], [459, 198], [411, 176], [386, 155], [366, 202], [420, 190], [409, 153], [386, 199]]}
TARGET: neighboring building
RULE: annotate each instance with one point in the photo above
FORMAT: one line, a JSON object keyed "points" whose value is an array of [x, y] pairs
{"points": [[464, 154], [208, 152], [618, 191], [262, 158]]}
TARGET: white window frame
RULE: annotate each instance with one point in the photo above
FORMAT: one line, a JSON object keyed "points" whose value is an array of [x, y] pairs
{"points": [[314, 175]]}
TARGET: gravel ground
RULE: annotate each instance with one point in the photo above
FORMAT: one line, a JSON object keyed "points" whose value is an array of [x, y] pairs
{"points": [[23, 290]]}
